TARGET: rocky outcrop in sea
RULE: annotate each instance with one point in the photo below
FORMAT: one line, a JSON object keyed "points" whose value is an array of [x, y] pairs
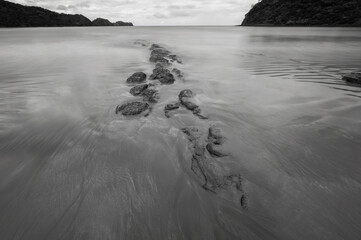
{"points": [[304, 13], [16, 15], [206, 147]]}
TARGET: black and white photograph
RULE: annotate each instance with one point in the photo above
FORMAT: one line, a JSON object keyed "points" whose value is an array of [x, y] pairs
{"points": [[180, 120]]}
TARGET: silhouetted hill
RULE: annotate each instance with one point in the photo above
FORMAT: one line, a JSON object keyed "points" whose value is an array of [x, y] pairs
{"points": [[305, 13], [16, 15], [102, 22]]}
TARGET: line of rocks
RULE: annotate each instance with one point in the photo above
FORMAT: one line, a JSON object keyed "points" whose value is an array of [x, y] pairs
{"points": [[204, 149], [213, 177], [163, 59], [185, 97]]}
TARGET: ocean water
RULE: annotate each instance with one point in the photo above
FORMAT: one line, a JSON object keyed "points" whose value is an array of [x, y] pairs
{"points": [[70, 168]]}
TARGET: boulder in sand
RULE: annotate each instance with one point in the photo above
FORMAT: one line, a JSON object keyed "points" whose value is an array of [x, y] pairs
{"points": [[137, 77], [137, 90], [132, 108], [163, 75], [354, 77]]}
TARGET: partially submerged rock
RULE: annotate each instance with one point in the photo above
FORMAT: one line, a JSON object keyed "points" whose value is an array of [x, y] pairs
{"points": [[141, 42], [150, 95], [154, 46], [138, 77], [170, 107], [159, 55], [185, 99], [177, 72], [190, 106], [215, 135], [354, 77], [137, 90], [174, 58], [185, 94], [132, 108], [163, 75], [213, 177], [215, 150]]}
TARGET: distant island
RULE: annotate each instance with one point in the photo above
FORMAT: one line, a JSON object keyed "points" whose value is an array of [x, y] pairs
{"points": [[16, 15], [304, 13]]}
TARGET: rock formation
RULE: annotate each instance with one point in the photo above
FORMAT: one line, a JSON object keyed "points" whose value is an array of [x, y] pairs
{"points": [[16, 15], [304, 13], [204, 149], [354, 77]]}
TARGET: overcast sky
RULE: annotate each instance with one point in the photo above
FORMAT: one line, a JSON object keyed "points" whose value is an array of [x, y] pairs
{"points": [[153, 12]]}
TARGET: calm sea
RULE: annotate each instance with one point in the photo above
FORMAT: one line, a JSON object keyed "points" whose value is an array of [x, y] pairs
{"points": [[72, 169]]}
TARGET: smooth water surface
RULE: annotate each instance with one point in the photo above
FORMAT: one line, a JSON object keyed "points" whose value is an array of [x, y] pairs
{"points": [[72, 169]]}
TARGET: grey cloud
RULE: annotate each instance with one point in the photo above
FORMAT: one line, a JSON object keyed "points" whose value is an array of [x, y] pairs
{"points": [[160, 15], [61, 7], [189, 6]]}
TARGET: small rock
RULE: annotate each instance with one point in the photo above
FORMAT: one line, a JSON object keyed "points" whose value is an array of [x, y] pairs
{"points": [[177, 72], [174, 58], [354, 77], [191, 106], [132, 108], [159, 55], [154, 46], [215, 150], [200, 116], [137, 90], [170, 107], [193, 133], [150, 95], [137, 77], [186, 93], [215, 135], [163, 75], [244, 202]]}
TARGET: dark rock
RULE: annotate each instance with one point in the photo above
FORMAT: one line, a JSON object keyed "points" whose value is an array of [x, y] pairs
{"points": [[244, 201], [154, 46], [304, 13], [200, 116], [159, 55], [215, 135], [193, 133], [185, 99], [132, 108], [354, 77], [174, 58], [141, 42], [170, 107], [177, 72], [137, 77], [213, 177], [137, 90], [215, 150], [163, 75], [150, 95], [186, 93], [191, 106]]}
